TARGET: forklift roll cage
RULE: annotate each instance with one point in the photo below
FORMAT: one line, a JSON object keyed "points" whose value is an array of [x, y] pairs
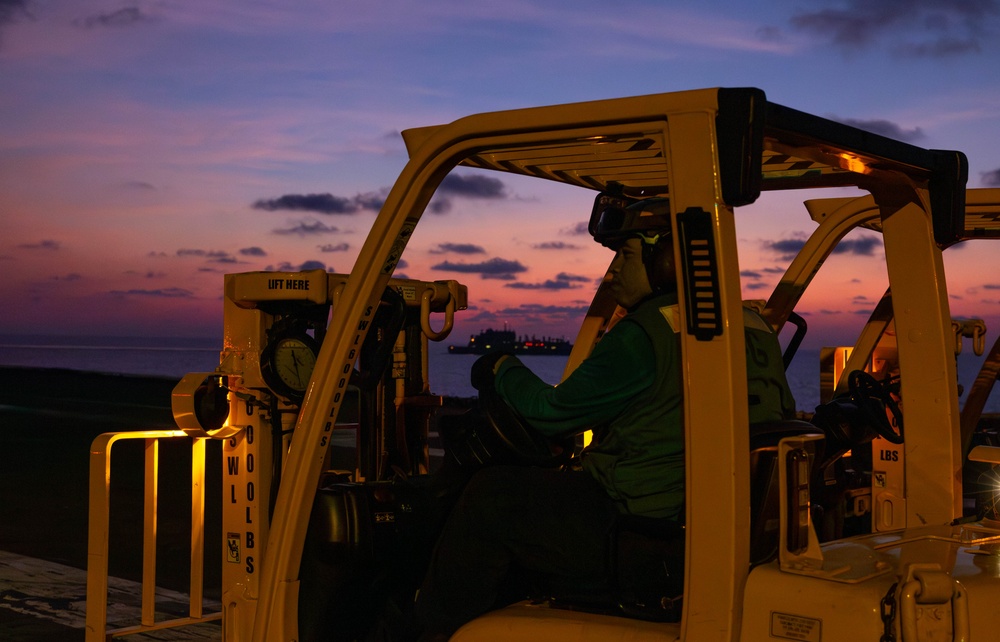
{"points": [[708, 151]]}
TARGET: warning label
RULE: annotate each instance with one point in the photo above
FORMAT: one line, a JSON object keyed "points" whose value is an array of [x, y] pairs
{"points": [[796, 627], [233, 548]]}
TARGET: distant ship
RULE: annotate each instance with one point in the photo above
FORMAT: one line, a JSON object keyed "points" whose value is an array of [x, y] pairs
{"points": [[491, 340]]}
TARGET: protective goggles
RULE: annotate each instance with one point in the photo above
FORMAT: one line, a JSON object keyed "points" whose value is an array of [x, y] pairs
{"points": [[615, 218]]}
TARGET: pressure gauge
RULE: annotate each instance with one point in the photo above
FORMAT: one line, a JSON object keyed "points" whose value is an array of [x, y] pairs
{"points": [[287, 364]]}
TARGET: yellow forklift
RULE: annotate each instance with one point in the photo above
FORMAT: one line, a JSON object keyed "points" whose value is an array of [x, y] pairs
{"points": [[849, 522]]}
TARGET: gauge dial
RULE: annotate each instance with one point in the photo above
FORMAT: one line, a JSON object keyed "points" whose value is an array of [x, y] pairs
{"points": [[287, 364]]}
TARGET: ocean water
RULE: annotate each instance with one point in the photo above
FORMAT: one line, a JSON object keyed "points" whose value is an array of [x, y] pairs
{"points": [[159, 356], [175, 357]]}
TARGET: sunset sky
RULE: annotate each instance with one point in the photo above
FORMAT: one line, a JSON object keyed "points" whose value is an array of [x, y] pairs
{"points": [[148, 148]]}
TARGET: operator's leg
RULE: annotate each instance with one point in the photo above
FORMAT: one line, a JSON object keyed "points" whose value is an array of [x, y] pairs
{"points": [[540, 520]]}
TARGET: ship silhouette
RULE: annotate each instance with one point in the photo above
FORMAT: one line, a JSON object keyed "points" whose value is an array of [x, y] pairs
{"points": [[506, 340]]}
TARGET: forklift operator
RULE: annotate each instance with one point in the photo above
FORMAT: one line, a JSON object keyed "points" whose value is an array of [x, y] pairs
{"points": [[517, 522]]}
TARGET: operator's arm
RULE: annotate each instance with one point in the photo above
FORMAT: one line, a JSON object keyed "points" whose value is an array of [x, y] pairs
{"points": [[621, 366]]}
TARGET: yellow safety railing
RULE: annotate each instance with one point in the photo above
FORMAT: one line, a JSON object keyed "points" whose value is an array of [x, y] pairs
{"points": [[99, 526]]}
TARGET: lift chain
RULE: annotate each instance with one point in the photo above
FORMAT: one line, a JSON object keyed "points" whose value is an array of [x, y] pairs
{"points": [[888, 614]]}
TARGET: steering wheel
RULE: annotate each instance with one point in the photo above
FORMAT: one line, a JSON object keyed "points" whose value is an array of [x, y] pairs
{"points": [[493, 432], [872, 398], [512, 439]]}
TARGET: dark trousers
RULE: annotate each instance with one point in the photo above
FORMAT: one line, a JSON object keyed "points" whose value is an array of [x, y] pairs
{"points": [[511, 522]]}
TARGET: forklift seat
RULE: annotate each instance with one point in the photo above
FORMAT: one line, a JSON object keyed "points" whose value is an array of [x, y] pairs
{"points": [[647, 554]]}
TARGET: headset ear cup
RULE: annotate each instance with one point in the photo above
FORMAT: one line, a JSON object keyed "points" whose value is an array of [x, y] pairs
{"points": [[657, 259]]}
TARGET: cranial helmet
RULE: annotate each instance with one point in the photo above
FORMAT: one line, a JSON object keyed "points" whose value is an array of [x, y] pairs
{"points": [[616, 218]]}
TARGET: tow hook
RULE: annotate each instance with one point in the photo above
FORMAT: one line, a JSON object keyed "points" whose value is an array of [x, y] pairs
{"points": [[933, 606]]}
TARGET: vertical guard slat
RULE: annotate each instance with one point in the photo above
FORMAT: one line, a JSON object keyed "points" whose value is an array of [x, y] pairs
{"points": [[152, 452], [97, 538], [197, 526]]}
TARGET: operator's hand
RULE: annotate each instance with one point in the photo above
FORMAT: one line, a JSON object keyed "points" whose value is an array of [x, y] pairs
{"points": [[484, 370]]}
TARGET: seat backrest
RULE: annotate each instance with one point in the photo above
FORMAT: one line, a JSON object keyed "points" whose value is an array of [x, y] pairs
{"points": [[770, 397]]}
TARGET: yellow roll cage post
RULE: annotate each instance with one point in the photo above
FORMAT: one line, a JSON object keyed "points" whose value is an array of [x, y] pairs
{"points": [[710, 151]]}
